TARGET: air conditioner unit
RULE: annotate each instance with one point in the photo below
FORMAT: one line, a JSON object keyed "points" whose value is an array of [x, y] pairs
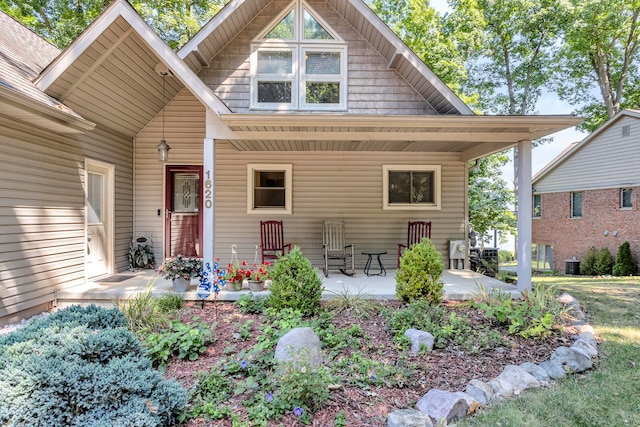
{"points": [[457, 254]]}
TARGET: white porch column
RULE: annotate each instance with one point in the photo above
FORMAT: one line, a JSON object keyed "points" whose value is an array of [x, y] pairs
{"points": [[209, 202], [524, 216]]}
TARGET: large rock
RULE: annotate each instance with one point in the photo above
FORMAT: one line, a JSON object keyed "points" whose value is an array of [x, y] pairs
{"points": [[555, 370], [480, 391], [501, 389], [408, 418], [538, 373], [519, 379], [586, 346], [574, 358], [474, 405], [443, 405], [419, 340], [300, 347]]}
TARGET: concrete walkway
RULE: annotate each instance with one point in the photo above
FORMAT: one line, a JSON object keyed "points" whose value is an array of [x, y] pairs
{"points": [[458, 285]]}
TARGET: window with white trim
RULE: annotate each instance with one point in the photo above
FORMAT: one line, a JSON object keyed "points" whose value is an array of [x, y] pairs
{"points": [[298, 63], [626, 201], [537, 204], [269, 188], [576, 204], [408, 187]]}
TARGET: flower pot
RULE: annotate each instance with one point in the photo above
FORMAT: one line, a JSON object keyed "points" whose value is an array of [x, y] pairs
{"points": [[256, 285], [233, 286], [180, 284]]}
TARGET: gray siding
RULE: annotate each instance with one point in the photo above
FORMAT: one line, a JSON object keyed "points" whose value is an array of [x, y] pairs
{"points": [[372, 87], [42, 230], [608, 160]]}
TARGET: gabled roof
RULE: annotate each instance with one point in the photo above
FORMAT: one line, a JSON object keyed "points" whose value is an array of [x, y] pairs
{"points": [[23, 55], [226, 25], [577, 146], [110, 73]]}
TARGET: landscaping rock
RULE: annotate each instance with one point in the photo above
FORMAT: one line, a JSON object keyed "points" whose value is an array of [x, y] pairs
{"points": [[586, 346], [419, 340], [554, 369], [443, 405], [408, 418], [587, 328], [519, 379], [474, 405], [574, 358], [538, 373], [301, 347], [567, 299], [501, 389], [480, 391], [588, 337]]}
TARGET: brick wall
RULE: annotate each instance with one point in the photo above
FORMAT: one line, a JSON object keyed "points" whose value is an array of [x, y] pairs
{"points": [[573, 236]]}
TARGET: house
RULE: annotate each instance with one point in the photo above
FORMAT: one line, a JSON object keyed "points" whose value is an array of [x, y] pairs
{"points": [[292, 110], [588, 196]]}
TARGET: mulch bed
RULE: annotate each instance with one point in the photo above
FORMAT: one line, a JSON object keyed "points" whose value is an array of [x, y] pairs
{"points": [[447, 369]]}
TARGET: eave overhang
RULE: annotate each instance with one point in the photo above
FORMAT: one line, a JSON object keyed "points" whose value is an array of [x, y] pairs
{"points": [[471, 136]]}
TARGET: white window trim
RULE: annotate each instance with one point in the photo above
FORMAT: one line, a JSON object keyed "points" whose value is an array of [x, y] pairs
{"points": [[288, 189], [626, 208], [412, 206], [299, 78]]}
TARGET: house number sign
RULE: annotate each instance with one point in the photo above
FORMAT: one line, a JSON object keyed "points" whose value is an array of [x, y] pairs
{"points": [[208, 191]]}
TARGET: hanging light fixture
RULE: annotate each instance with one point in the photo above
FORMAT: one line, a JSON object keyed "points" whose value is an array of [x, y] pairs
{"points": [[163, 147]]}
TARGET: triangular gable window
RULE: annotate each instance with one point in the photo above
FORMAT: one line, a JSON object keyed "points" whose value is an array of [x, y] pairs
{"points": [[299, 62], [285, 30]]}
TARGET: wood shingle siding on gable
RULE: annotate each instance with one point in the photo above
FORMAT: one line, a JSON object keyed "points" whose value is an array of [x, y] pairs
{"points": [[373, 88], [42, 225], [609, 160]]}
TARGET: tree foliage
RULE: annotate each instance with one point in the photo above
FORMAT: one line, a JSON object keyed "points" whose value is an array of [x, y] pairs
{"points": [[490, 199], [61, 21], [600, 55]]}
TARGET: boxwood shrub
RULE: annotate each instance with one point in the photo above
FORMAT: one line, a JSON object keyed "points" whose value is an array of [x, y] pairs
{"points": [[80, 367]]}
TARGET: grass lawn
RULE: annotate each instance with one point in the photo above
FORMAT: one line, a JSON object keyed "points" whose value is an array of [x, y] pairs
{"points": [[608, 395]]}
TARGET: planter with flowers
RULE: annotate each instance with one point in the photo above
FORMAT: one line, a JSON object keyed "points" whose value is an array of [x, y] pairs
{"points": [[236, 275], [259, 275], [181, 270]]}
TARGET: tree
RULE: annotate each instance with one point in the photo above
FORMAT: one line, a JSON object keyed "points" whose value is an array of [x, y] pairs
{"points": [[61, 21], [490, 199], [600, 55]]}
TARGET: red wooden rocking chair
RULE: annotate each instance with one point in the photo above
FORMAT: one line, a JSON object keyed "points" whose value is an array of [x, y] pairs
{"points": [[416, 231], [272, 244]]}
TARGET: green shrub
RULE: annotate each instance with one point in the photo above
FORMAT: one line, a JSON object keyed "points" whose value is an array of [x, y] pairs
{"points": [[419, 275], [604, 263], [72, 369], [144, 312], [170, 302], [588, 261], [625, 263], [182, 340], [505, 256], [252, 304], [295, 284]]}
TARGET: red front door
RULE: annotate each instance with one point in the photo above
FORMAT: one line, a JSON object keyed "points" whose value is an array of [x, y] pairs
{"points": [[183, 207]]}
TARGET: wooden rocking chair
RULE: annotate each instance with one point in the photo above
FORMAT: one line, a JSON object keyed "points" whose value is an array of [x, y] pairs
{"points": [[334, 247], [416, 231], [272, 244]]}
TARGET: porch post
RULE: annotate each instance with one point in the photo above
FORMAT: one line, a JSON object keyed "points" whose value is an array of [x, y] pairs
{"points": [[524, 216], [208, 203]]}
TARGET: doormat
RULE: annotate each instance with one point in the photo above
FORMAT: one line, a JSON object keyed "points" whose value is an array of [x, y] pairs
{"points": [[115, 278]]}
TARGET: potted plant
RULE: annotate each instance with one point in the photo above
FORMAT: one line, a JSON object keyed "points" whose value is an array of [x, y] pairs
{"points": [[259, 274], [181, 270], [236, 274]]}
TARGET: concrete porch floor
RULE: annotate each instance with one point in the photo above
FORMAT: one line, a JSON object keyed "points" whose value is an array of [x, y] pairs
{"points": [[458, 285]]}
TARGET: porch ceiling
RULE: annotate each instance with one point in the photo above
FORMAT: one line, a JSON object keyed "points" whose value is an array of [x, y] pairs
{"points": [[472, 136]]}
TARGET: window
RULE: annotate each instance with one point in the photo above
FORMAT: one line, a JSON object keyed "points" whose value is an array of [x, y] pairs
{"points": [[626, 130], [576, 204], [536, 206], [541, 257], [269, 189], [625, 198], [299, 63], [411, 187]]}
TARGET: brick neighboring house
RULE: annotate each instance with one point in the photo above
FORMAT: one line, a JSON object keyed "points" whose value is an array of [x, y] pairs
{"points": [[588, 196]]}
